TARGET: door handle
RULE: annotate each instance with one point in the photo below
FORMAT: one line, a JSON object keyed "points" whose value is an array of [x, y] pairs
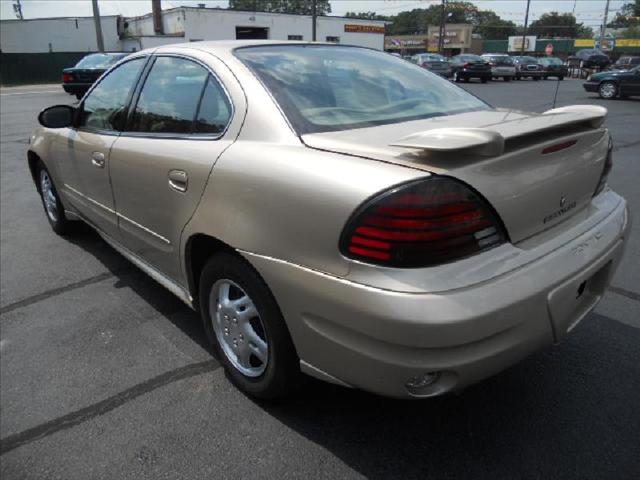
{"points": [[97, 159], [178, 180]]}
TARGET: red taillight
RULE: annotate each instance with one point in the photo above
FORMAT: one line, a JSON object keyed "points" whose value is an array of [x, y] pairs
{"points": [[67, 77], [420, 224], [466, 65], [559, 146], [608, 164]]}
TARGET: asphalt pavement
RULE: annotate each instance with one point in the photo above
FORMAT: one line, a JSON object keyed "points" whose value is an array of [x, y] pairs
{"points": [[105, 375]]}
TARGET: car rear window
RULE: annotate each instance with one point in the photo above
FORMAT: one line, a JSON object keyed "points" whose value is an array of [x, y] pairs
{"points": [[98, 61], [330, 88]]}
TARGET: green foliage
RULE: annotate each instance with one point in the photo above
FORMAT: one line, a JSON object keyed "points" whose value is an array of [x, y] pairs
{"points": [[628, 16], [631, 32], [557, 25], [486, 22], [300, 7]]}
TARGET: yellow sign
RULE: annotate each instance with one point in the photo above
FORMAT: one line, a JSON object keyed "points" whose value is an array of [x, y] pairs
{"points": [[628, 42], [363, 28], [584, 42]]}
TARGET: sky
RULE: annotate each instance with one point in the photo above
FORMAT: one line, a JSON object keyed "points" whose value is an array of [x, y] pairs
{"points": [[589, 12]]}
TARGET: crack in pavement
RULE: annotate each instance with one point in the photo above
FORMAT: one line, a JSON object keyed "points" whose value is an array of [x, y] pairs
{"points": [[100, 408]]}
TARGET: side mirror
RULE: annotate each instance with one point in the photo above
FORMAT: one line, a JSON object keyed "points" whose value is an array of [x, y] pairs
{"points": [[58, 116]]}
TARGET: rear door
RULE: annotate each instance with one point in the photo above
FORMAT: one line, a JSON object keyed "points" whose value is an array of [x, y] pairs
{"points": [[161, 163], [85, 164]]}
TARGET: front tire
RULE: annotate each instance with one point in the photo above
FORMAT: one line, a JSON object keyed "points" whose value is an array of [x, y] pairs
{"points": [[608, 90], [246, 329], [484, 80], [53, 208], [506, 79]]}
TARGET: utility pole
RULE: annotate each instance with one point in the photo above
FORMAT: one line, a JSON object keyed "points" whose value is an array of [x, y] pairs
{"points": [[441, 31], [526, 24], [96, 21], [18, 9], [604, 24], [313, 20]]}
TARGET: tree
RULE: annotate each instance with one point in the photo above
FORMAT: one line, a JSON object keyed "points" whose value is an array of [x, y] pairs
{"points": [[628, 16], [554, 25], [300, 7], [485, 22], [632, 32], [492, 27], [585, 31]]}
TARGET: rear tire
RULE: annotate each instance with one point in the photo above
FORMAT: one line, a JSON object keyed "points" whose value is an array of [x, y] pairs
{"points": [[484, 80], [250, 339], [53, 208], [506, 79], [536, 79], [560, 78]]}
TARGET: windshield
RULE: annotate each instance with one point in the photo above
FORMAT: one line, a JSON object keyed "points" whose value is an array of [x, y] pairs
{"points": [[98, 61], [551, 61], [326, 88], [471, 58], [528, 60]]}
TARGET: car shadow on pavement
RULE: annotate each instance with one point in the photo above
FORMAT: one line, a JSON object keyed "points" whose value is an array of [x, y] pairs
{"points": [[566, 412], [129, 276]]}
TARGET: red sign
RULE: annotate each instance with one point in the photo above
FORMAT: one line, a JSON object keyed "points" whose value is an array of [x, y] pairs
{"points": [[549, 49], [364, 28]]}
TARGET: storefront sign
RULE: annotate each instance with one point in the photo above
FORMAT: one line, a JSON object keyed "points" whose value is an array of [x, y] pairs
{"points": [[515, 43], [355, 28]]}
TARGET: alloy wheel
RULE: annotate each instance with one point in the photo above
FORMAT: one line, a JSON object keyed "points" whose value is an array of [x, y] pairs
{"points": [[48, 196], [238, 328], [608, 90]]}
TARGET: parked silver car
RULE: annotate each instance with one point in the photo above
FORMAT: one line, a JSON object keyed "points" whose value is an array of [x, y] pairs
{"points": [[434, 62], [502, 65], [338, 211]]}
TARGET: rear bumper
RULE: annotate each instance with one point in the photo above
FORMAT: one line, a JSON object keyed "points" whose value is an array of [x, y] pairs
{"points": [[377, 339], [526, 73], [468, 74], [74, 88]]}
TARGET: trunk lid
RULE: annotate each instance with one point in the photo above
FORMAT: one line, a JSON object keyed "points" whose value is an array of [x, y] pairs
{"points": [[536, 170]]}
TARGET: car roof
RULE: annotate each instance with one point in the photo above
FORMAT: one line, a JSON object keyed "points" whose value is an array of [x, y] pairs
{"points": [[227, 46]]}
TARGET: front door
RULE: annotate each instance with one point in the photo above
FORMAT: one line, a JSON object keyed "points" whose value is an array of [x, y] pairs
{"points": [[161, 163], [85, 169], [630, 82]]}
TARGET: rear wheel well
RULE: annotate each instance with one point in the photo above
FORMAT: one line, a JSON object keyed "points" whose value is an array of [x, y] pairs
{"points": [[198, 250]]}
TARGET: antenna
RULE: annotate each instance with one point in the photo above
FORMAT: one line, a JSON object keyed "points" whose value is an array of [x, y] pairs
{"points": [[555, 96]]}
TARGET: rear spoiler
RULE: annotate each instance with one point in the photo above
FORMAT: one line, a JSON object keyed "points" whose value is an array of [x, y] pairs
{"points": [[490, 142], [482, 141]]}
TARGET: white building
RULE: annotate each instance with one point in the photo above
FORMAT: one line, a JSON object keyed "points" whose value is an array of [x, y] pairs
{"points": [[182, 24], [42, 35]]}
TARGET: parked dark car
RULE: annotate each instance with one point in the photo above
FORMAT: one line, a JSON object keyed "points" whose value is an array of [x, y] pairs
{"points": [[609, 85], [466, 66], [553, 67], [433, 62], [626, 63], [78, 79], [528, 67], [592, 58]]}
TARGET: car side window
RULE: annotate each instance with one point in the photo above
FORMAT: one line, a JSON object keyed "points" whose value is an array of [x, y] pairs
{"points": [[215, 110], [105, 107], [170, 97]]}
